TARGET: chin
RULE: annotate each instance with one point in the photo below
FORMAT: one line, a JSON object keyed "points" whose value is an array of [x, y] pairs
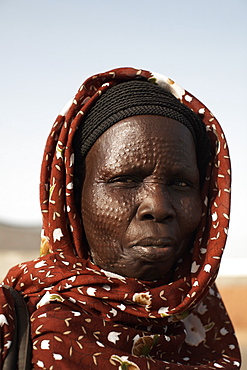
{"points": [[154, 275], [148, 273], [142, 269]]}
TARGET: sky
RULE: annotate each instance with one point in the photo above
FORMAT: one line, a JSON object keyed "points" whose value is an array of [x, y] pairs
{"points": [[48, 48]]}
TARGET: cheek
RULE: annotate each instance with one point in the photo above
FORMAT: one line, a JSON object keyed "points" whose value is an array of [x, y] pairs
{"points": [[105, 219], [190, 214]]}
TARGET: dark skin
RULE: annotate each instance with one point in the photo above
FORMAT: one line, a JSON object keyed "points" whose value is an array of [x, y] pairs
{"points": [[141, 198]]}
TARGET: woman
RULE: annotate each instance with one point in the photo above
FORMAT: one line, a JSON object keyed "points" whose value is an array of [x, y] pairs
{"points": [[135, 192]]}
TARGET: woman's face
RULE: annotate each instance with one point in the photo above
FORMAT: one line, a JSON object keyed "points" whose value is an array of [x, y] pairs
{"points": [[140, 199]]}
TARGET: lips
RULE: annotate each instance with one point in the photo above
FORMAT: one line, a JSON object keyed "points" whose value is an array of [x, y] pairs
{"points": [[153, 250], [154, 242]]}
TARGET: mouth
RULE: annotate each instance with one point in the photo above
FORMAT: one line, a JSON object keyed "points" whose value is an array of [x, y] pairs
{"points": [[154, 250], [151, 242]]}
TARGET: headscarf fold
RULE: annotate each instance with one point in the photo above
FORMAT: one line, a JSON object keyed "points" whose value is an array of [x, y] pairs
{"points": [[85, 317]]}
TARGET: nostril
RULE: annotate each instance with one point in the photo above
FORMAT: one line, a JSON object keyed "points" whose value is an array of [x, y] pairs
{"points": [[148, 217]]}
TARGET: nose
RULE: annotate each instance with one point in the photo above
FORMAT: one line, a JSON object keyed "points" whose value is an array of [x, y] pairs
{"points": [[156, 204]]}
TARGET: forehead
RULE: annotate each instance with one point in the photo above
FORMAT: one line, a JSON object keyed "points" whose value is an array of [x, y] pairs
{"points": [[143, 139]]}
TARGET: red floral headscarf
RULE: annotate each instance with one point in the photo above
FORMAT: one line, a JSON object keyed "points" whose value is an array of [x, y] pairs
{"points": [[85, 317]]}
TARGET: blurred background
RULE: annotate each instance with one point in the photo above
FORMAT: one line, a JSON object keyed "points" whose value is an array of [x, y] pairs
{"points": [[49, 48]]}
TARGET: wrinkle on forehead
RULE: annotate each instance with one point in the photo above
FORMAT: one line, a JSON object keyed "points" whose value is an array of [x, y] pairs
{"points": [[130, 146]]}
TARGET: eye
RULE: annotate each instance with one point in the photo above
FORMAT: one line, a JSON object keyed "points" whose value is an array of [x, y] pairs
{"points": [[127, 181], [180, 183]]}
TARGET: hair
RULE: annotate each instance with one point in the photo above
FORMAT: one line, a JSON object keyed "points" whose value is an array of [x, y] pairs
{"points": [[132, 98]]}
